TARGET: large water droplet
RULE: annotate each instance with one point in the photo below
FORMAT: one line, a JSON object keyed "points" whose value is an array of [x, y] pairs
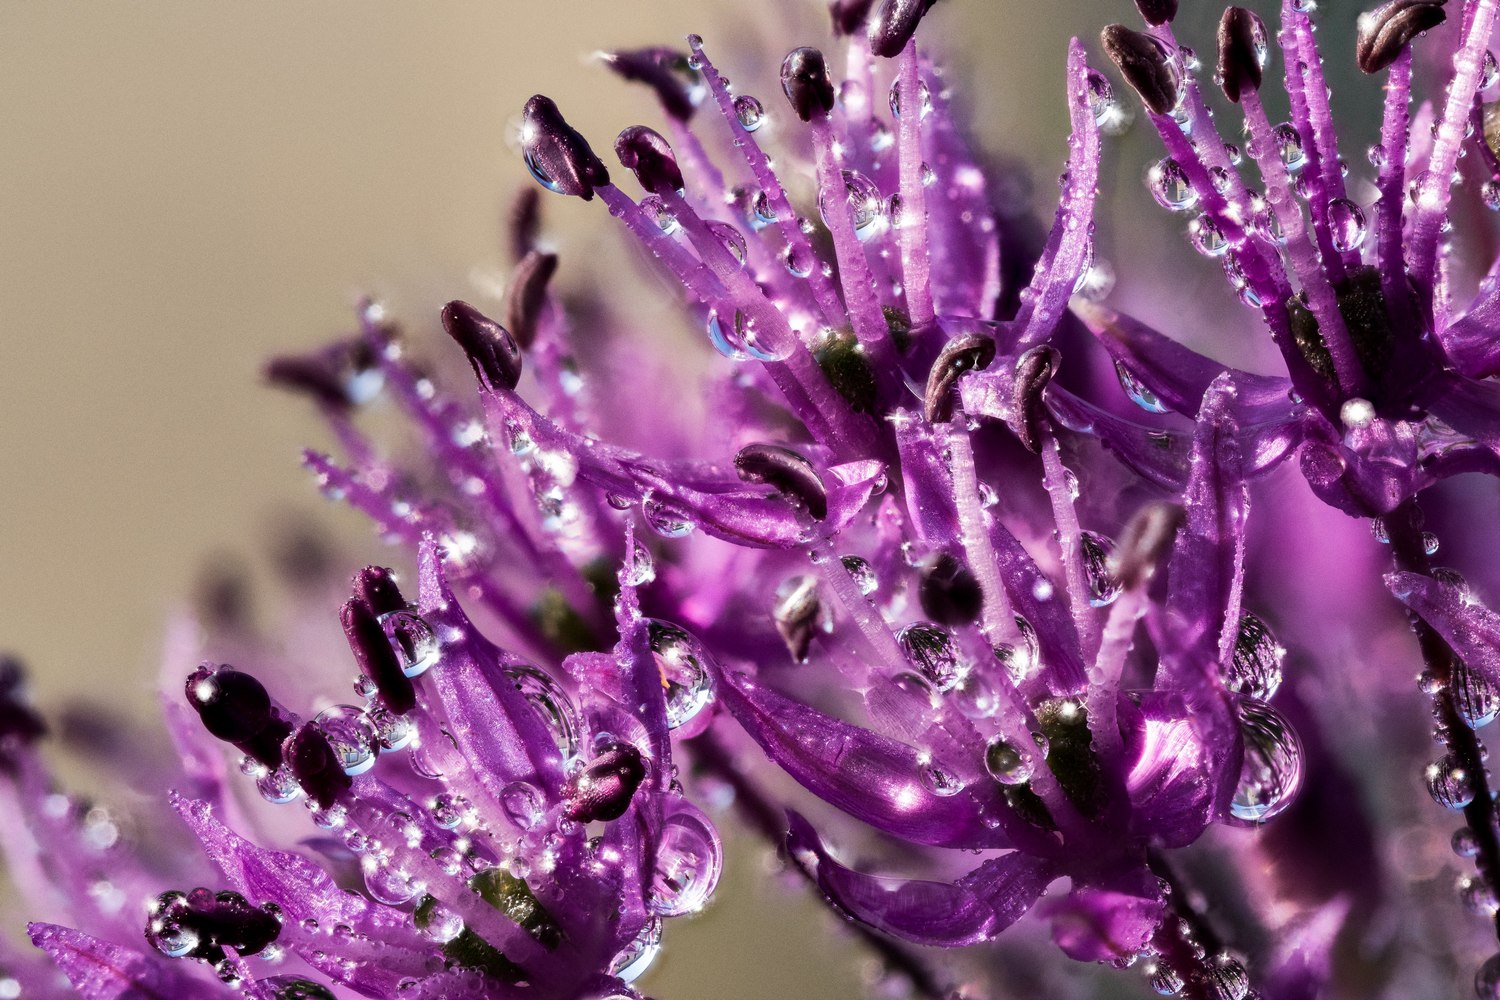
{"points": [[392, 731], [412, 639], [1487, 979], [689, 859], [861, 199], [665, 520], [683, 661], [1008, 763], [1169, 185], [1289, 146], [1167, 981], [279, 785], [523, 804], [1346, 222], [798, 260], [930, 649], [637, 956], [732, 238], [385, 882], [1271, 771], [534, 165], [1449, 783], [734, 336], [1207, 237], [640, 568], [862, 573], [1255, 669], [1097, 550], [1137, 391], [1474, 697], [351, 735], [1227, 980], [551, 703], [1490, 74], [749, 112], [657, 211], [923, 94], [436, 921], [1021, 661], [940, 780]]}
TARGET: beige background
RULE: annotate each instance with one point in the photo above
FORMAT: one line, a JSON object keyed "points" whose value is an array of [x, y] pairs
{"points": [[186, 187]]}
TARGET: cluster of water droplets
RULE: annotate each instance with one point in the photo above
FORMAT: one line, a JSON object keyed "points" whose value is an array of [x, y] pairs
{"points": [[1272, 767]]}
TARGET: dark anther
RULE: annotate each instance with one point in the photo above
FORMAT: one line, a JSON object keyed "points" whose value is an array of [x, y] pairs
{"points": [[233, 705], [665, 71], [493, 352], [965, 353], [1242, 52], [602, 791], [17, 719], [646, 154], [1034, 371], [376, 586], [796, 613], [1157, 12], [526, 295], [556, 154], [315, 765], [235, 708], [1145, 542], [202, 923], [524, 221], [806, 83], [1146, 65], [848, 370], [311, 376], [1363, 308], [1389, 28], [786, 471], [949, 594], [849, 16], [894, 23], [373, 652]]}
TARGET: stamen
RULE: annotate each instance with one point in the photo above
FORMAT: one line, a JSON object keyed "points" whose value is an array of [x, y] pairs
{"points": [[1146, 65], [1242, 51], [603, 790], [1385, 32], [646, 154], [786, 471], [1034, 371], [894, 23], [527, 295], [373, 652], [493, 353], [961, 355], [913, 224], [557, 156]]}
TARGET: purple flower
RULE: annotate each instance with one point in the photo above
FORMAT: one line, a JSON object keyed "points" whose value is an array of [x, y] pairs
{"points": [[1386, 389]]}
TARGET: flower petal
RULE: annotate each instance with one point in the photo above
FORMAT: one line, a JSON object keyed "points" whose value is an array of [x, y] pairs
{"points": [[1472, 629], [99, 970], [942, 914]]}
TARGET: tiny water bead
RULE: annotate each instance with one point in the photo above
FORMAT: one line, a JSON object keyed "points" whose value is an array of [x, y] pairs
{"points": [[1256, 667], [749, 111], [1271, 769], [689, 860], [683, 662], [449, 810], [1097, 550], [930, 649], [861, 199], [1007, 763], [1137, 391], [1449, 783]]}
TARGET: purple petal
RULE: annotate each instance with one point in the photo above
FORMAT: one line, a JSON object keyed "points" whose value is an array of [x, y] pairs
{"points": [[941, 914], [1472, 629], [99, 970], [1472, 342], [1170, 781], [1096, 924]]}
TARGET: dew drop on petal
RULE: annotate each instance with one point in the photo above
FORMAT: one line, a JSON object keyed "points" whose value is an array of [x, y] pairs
{"points": [[1137, 391], [279, 785], [1169, 186], [689, 859], [940, 780], [1474, 697], [1167, 981], [551, 703], [924, 97], [351, 735], [385, 882], [1007, 763], [412, 639], [930, 649], [1271, 770], [683, 662], [636, 957], [862, 573], [522, 803], [1256, 666], [1208, 239], [640, 569], [664, 520]]}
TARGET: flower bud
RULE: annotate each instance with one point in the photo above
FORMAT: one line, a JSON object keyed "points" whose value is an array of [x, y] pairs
{"points": [[646, 154], [893, 24], [1242, 52], [1157, 12], [1034, 371], [526, 295]]}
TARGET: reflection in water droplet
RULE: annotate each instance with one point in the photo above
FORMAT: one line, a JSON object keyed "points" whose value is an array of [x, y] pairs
{"points": [[412, 639], [663, 519], [1346, 222], [1474, 697], [1449, 783], [689, 859], [1169, 185], [1137, 391], [1289, 146], [862, 573], [384, 881], [749, 112], [1271, 771], [1097, 550], [351, 736], [683, 662], [941, 781], [522, 803], [930, 649], [924, 95], [637, 956], [551, 703], [1207, 237], [1007, 763], [1256, 667], [861, 199], [278, 786], [640, 569]]}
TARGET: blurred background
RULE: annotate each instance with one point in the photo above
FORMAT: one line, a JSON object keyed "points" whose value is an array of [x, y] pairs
{"points": [[187, 188]]}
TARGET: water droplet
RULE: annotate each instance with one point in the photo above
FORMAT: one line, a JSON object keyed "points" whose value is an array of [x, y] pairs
{"points": [[351, 735], [1168, 183], [1489, 193], [637, 956], [1021, 660], [861, 200], [1376, 155], [1097, 550], [543, 178], [551, 703], [657, 211], [1487, 979], [862, 573], [664, 520], [750, 112], [523, 804], [1474, 697], [1271, 771], [412, 639], [762, 213], [1166, 981], [1490, 75], [930, 649], [436, 921], [392, 731], [1346, 222], [689, 859], [923, 94], [683, 662], [1464, 843], [1478, 895], [736, 338], [1207, 237], [1101, 96], [1256, 667], [1430, 543], [1137, 391], [1007, 763], [449, 810], [798, 260], [732, 238], [640, 569], [1449, 782], [278, 786], [1227, 980], [384, 881], [1289, 146]]}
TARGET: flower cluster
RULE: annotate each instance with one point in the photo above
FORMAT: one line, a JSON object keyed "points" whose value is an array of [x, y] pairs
{"points": [[893, 599]]}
